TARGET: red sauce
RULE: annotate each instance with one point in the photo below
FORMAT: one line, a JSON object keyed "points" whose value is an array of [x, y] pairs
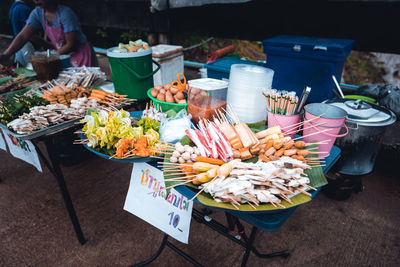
{"points": [[206, 108]]}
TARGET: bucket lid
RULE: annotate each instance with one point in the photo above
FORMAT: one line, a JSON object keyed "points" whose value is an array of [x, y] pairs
{"points": [[208, 84], [110, 53], [364, 113]]}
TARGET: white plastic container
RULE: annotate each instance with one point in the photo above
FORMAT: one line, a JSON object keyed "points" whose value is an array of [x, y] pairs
{"points": [[246, 83], [170, 57]]}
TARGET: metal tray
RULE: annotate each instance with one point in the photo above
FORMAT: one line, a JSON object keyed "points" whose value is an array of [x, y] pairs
{"points": [[45, 131]]}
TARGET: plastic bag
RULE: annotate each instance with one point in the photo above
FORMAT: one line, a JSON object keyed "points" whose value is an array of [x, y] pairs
{"points": [[173, 129], [387, 96], [392, 101]]}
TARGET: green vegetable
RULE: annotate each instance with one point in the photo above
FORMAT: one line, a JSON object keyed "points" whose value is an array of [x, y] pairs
{"points": [[20, 104], [147, 123]]}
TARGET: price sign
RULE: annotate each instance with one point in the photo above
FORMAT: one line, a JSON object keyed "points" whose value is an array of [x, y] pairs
{"points": [[2, 142], [170, 213], [22, 149]]}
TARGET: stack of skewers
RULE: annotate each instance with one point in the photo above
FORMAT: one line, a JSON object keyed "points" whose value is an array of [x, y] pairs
{"points": [[281, 102], [284, 102], [239, 183]]}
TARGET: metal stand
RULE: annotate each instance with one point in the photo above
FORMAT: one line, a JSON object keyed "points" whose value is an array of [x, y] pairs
{"points": [[247, 242], [55, 169]]}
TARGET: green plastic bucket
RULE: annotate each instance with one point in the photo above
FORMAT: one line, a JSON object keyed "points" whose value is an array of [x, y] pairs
{"points": [[132, 73]]}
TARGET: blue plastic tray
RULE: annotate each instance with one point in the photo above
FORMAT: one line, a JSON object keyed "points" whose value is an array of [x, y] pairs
{"points": [[135, 114]]}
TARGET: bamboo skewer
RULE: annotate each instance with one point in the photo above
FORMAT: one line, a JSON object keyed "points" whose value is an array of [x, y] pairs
{"points": [[302, 122], [300, 137], [204, 187], [304, 128]]}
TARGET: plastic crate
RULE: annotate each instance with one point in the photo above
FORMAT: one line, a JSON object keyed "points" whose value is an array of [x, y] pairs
{"points": [[221, 68], [300, 61]]}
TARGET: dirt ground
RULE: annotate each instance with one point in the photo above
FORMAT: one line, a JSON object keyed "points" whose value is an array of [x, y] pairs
{"points": [[35, 229]]}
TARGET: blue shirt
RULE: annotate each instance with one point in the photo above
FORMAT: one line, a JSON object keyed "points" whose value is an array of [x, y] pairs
{"points": [[19, 12], [66, 15]]}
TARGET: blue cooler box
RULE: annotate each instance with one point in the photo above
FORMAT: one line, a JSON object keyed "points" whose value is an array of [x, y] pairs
{"points": [[300, 61], [221, 68]]}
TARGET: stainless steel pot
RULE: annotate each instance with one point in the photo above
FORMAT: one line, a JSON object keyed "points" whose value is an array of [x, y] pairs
{"points": [[367, 123]]}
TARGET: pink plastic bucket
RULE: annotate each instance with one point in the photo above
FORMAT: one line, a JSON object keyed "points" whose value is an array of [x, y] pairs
{"points": [[284, 121], [330, 122]]}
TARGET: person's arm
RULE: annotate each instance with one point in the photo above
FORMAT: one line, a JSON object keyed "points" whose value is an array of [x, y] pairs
{"points": [[37, 41], [70, 43], [24, 36]]}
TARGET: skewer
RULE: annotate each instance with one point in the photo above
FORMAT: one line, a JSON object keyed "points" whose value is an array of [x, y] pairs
{"points": [[304, 128], [303, 192], [302, 122], [251, 205], [204, 187], [179, 173], [280, 205], [285, 198], [311, 134], [172, 186]]}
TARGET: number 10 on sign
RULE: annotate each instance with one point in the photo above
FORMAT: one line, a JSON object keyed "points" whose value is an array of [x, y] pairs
{"points": [[174, 220]]}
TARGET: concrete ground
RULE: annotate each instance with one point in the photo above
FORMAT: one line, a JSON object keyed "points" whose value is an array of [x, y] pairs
{"points": [[35, 229]]}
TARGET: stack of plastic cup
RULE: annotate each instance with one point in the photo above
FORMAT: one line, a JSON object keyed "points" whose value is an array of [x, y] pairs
{"points": [[246, 83]]}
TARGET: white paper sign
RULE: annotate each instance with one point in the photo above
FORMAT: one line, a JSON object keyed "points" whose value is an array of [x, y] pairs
{"points": [[2, 142], [22, 149], [171, 214]]}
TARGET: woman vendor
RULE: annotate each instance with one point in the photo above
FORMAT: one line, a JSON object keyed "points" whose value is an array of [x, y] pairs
{"points": [[62, 27]]}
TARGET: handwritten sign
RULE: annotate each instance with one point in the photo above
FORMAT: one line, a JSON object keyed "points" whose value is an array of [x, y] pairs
{"points": [[2, 142], [22, 149], [170, 213]]}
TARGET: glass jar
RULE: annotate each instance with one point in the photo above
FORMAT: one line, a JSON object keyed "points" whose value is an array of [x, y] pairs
{"points": [[205, 97]]}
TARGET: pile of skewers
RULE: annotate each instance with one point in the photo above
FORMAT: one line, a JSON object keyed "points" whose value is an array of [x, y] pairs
{"points": [[239, 183], [81, 76], [43, 116], [62, 94], [17, 83], [268, 144], [281, 102], [284, 102]]}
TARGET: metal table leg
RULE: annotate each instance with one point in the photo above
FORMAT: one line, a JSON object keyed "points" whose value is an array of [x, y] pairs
{"points": [[55, 169], [164, 243], [247, 243]]}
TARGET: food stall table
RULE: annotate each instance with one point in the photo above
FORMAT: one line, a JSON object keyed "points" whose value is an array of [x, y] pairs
{"points": [[49, 137], [268, 221]]}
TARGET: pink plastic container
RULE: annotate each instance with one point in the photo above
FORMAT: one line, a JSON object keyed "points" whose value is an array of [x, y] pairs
{"points": [[332, 120], [284, 121]]}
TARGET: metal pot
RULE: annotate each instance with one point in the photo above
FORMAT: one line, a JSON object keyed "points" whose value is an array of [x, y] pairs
{"points": [[367, 124]]}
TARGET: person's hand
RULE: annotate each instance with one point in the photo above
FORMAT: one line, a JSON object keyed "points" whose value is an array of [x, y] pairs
{"points": [[4, 57]]}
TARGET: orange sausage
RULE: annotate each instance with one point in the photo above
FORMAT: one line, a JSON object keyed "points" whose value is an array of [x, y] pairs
{"points": [[99, 92], [290, 152], [210, 160], [263, 158], [300, 158], [269, 152], [300, 144], [278, 145], [289, 144], [303, 152], [280, 152], [269, 144], [236, 154]]}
